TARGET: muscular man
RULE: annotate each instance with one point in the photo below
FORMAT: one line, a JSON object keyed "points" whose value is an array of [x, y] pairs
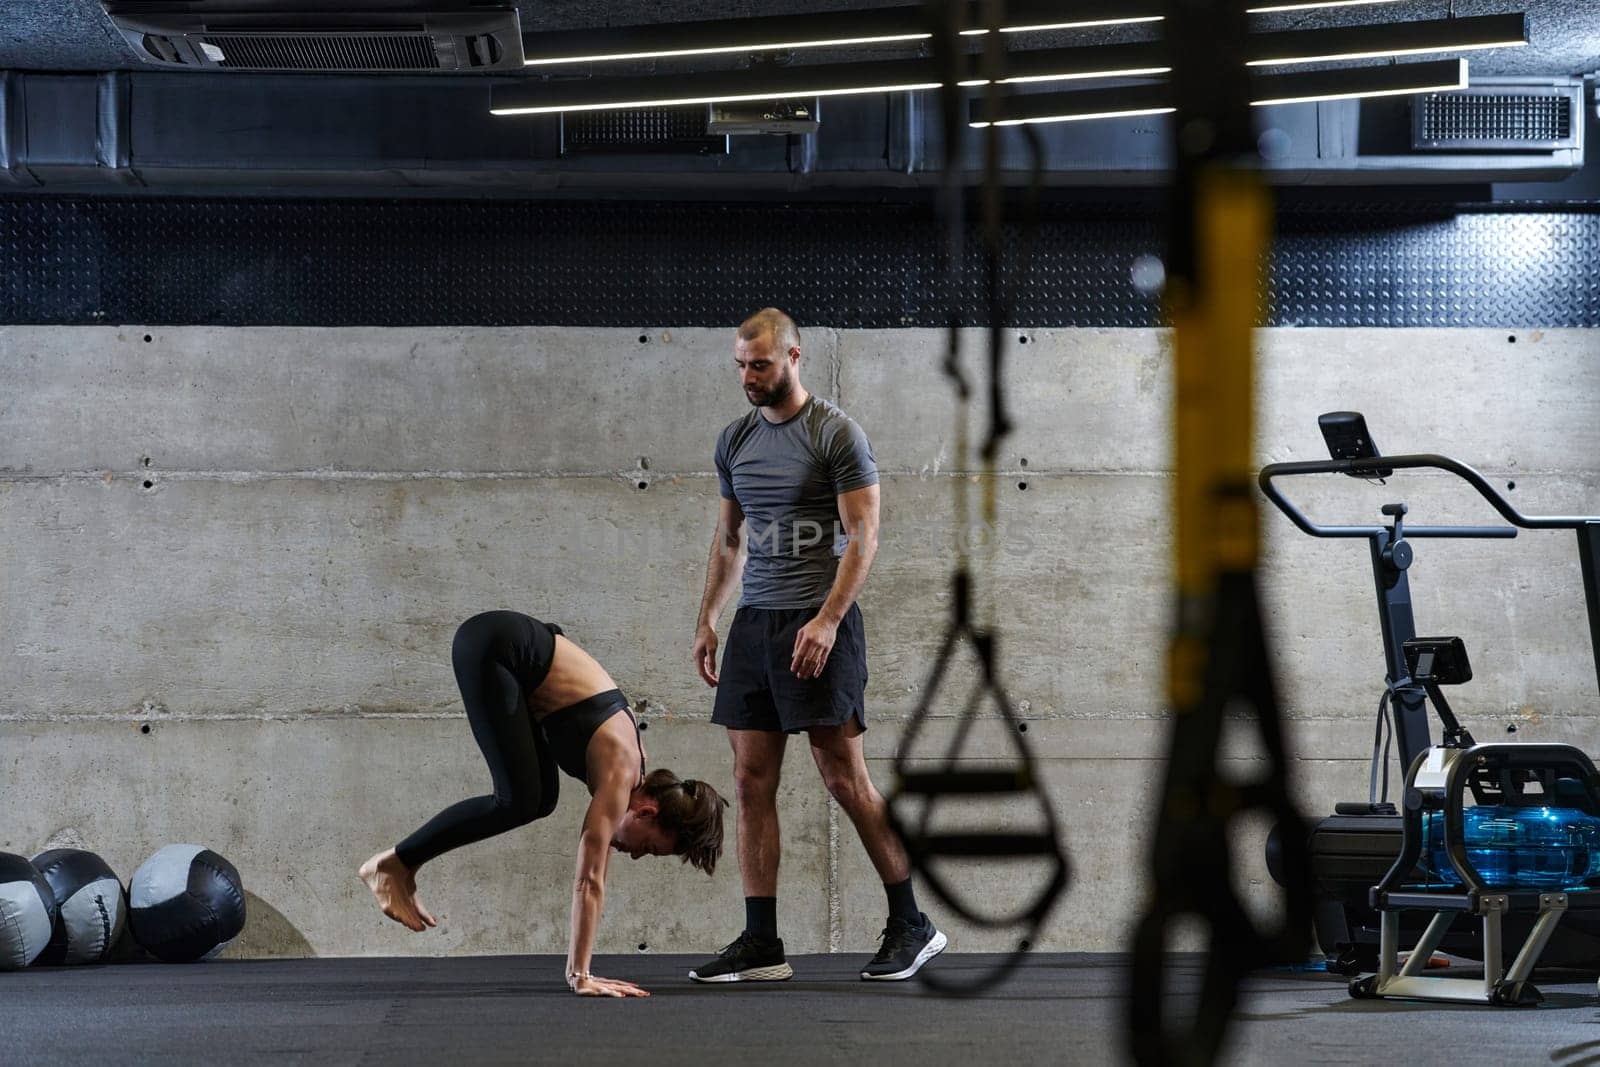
{"points": [[800, 494]]}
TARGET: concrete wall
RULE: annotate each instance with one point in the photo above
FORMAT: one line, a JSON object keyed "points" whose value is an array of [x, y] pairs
{"points": [[256, 543]]}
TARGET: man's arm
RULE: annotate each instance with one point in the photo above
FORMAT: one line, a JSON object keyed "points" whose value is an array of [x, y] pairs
{"points": [[722, 570], [859, 511]]}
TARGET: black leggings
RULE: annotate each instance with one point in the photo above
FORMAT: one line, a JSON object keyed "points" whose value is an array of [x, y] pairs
{"points": [[499, 657]]}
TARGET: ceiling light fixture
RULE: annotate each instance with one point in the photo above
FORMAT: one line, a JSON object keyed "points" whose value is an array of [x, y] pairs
{"points": [[1404, 79], [1387, 39], [1440, 75], [834, 79], [1137, 59], [1077, 24], [1308, 5], [772, 33]]}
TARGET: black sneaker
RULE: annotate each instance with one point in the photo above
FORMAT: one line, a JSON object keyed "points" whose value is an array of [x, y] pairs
{"points": [[748, 959], [904, 950]]}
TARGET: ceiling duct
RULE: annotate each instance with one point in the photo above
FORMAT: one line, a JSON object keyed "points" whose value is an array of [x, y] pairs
{"points": [[1501, 115], [401, 135], [352, 36]]}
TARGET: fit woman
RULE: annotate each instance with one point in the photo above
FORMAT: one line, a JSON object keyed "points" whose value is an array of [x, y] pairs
{"points": [[536, 702]]}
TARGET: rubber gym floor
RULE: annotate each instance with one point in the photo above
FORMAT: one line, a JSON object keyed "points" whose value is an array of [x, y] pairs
{"points": [[1057, 1008]]}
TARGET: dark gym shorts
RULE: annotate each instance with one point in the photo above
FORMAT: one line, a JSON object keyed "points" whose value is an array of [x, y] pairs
{"points": [[756, 689]]}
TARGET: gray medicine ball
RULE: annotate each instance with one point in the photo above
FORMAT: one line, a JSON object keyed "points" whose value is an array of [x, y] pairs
{"points": [[185, 903], [27, 912], [91, 909]]}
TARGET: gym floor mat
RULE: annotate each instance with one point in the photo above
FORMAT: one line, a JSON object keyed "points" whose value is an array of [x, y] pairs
{"points": [[1057, 1008]]}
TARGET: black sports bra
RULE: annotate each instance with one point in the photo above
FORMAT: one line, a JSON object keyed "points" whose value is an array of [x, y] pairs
{"points": [[570, 729]]}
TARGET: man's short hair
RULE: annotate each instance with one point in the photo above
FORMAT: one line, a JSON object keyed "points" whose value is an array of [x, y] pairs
{"points": [[770, 322]]}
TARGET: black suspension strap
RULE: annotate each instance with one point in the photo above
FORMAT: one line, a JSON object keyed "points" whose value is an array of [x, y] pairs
{"points": [[948, 778], [1218, 662]]}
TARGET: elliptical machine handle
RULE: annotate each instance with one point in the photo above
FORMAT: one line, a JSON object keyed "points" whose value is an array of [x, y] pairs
{"points": [[1370, 467]]}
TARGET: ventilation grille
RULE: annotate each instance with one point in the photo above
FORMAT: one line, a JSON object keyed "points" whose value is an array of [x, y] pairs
{"points": [[645, 129], [1489, 119], [290, 51], [1496, 118], [636, 126]]}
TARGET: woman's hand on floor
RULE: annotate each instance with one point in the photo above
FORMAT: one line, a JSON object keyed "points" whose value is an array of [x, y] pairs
{"points": [[595, 986]]}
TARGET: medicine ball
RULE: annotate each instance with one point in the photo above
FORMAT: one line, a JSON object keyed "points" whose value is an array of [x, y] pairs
{"points": [[27, 912], [185, 903], [90, 906]]}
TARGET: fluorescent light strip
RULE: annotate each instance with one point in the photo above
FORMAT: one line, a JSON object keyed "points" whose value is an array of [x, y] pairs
{"points": [[1459, 82], [882, 26], [1130, 20], [768, 46], [717, 99], [720, 98], [1063, 64], [1081, 24], [1382, 40], [1443, 87], [1305, 88], [1079, 118], [1386, 53], [1309, 5], [1150, 98], [1134, 72], [1031, 66]]}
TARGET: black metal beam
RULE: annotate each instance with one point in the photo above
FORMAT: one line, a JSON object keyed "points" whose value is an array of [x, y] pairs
{"points": [[1589, 558]]}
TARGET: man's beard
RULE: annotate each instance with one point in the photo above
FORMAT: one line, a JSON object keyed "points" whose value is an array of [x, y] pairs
{"points": [[771, 398]]}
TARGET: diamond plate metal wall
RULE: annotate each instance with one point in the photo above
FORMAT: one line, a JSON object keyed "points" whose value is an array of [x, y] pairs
{"points": [[1385, 267], [495, 262]]}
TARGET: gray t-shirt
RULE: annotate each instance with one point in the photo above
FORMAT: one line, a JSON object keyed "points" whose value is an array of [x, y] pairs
{"points": [[785, 477]]}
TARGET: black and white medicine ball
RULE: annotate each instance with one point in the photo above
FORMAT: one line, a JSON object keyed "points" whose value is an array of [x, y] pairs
{"points": [[90, 906], [27, 912], [185, 903]]}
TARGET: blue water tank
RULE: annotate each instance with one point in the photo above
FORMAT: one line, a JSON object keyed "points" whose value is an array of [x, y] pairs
{"points": [[1521, 848]]}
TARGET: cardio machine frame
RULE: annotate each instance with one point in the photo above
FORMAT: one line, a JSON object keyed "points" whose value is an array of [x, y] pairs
{"points": [[1438, 777], [1438, 780], [1394, 594]]}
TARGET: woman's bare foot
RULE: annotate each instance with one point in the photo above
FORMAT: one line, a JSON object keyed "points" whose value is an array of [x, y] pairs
{"points": [[395, 886]]}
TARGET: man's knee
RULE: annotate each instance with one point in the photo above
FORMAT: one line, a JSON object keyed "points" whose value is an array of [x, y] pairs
{"points": [[846, 781], [757, 764], [755, 783]]}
